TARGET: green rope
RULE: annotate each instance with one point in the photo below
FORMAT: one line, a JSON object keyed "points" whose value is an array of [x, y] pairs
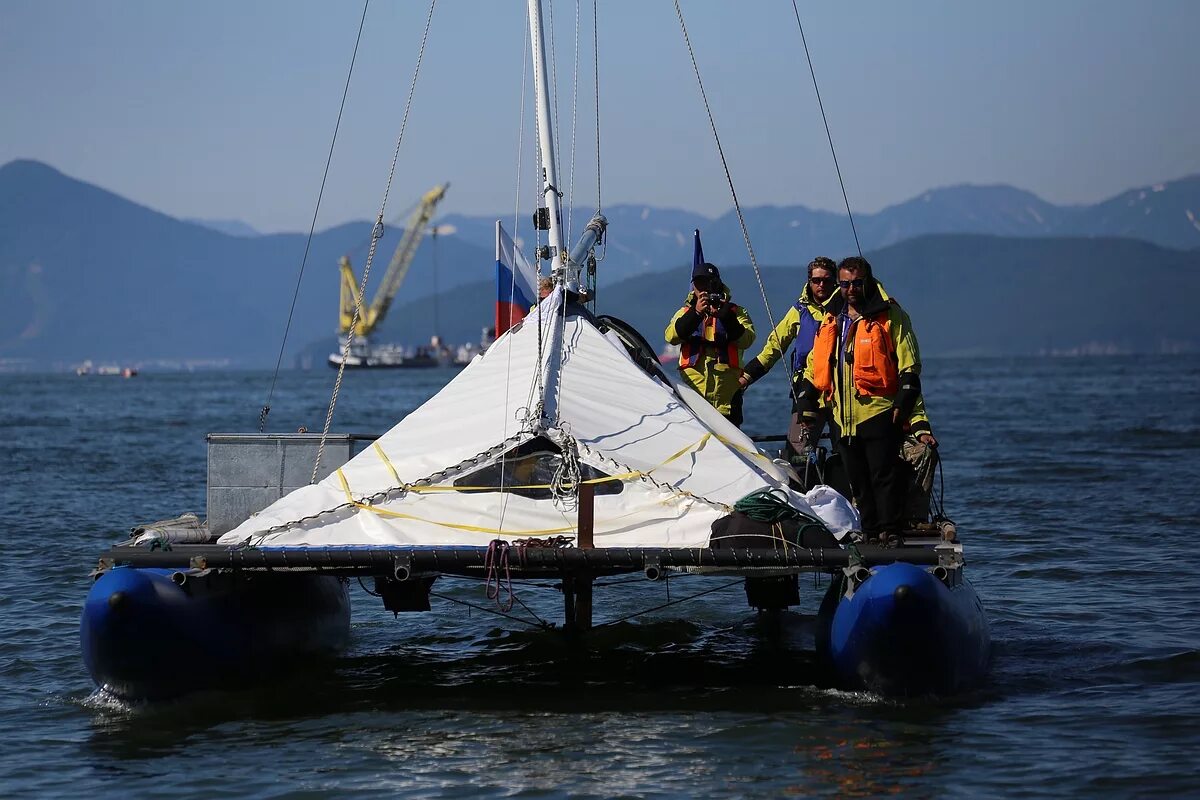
{"points": [[771, 506], [765, 505]]}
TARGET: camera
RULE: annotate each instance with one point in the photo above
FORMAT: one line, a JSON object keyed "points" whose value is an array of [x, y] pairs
{"points": [[715, 302]]}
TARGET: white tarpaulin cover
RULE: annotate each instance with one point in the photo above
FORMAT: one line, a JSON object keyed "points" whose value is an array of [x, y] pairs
{"points": [[681, 464]]}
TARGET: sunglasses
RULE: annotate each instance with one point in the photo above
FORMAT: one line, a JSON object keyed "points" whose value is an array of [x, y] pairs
{"points": [[822, 281], [857, 283]]}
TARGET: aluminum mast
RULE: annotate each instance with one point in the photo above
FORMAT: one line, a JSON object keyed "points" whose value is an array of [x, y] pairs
{"points": [[550, 194]]}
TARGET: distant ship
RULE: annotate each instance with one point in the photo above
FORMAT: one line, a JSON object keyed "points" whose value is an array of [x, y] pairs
{"points": [[357, 319], [107, 370], [388, 356]]}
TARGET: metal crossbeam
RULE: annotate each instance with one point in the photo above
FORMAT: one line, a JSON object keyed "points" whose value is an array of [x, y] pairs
{"points": [[407, 562]]}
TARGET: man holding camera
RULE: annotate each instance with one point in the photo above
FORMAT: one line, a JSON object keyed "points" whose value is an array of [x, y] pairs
{"points": [[712, 332]]}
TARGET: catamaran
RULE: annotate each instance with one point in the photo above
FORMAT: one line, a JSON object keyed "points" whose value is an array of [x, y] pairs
{"points": [[565, 451]]}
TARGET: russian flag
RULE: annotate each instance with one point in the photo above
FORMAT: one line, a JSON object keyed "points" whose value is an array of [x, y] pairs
{"points": [[516, 282]]}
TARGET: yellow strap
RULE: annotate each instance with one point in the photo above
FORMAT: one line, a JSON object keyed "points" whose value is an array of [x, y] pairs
{"points": [[741, 449], [383, 457], [383, 512], [431, 489], [698, 446], [624, 476]]}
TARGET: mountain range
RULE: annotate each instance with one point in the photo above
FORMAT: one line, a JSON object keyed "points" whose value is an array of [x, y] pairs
{"points": [[645, 238], [968, 295], [85, 273]]}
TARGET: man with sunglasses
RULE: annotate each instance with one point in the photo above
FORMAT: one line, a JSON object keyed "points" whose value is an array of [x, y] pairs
{"points": [[818, 299], [712, 332], [865, 367]]}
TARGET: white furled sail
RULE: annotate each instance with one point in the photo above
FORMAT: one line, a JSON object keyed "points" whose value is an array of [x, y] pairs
{"points": [[483, 459]]}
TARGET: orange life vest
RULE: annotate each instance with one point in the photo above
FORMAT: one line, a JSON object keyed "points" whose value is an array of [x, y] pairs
{"points": [[875, 373], [709, 334]]}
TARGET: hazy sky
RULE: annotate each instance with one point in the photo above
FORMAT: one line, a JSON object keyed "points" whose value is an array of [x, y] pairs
{"points": [[223, 109]]}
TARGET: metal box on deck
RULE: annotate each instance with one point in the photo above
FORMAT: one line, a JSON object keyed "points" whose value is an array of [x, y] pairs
{"points": [[249, 471]]}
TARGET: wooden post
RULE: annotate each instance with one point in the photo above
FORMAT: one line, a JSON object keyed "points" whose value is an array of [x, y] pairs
{"points": [[582, 584], [587, 515], [583, 602], [569, 610]]}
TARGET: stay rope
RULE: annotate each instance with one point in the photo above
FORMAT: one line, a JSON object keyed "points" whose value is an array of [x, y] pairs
{"points": [[574, 125], [266, 409], [737, 206], [540, 623], [596, 76], [512, 287], [376, 235], [828, 135], [669, 603], [556, 132]]}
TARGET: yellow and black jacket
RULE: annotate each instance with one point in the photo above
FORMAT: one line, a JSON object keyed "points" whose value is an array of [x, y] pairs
{"points": [[711, 348], [798, 326], [864, 367]]}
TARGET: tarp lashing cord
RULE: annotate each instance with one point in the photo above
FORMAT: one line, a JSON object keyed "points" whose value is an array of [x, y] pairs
{"points": [[266, 409], [442, 474], [376, 234], [427, 484]]}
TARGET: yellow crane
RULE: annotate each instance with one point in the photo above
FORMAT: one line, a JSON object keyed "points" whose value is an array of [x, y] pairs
{"points": [[370, 316]]}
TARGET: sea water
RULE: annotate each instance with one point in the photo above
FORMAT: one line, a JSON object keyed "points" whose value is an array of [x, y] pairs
{"points": [[1073, 482]]}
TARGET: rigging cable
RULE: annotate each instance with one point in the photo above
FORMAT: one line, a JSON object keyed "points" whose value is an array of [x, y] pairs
{"points": [[596, 75], [592, 259], [828, 135], [539, 624], [266, 409], [555, 127], [512, 286], [376, 234], [669, 603], [737, 206], [574, 128]]}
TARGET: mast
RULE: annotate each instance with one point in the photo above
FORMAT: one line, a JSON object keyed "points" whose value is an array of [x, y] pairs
{"points": [[565, 266], [550, 196]]}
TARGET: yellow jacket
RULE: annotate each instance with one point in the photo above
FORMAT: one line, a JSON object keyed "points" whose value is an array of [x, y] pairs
{"points": [[848, 408], [780, 339], [710, 356]]}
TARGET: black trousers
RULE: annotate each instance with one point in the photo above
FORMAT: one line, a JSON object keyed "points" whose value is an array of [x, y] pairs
{"points": [[872, 461]]}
